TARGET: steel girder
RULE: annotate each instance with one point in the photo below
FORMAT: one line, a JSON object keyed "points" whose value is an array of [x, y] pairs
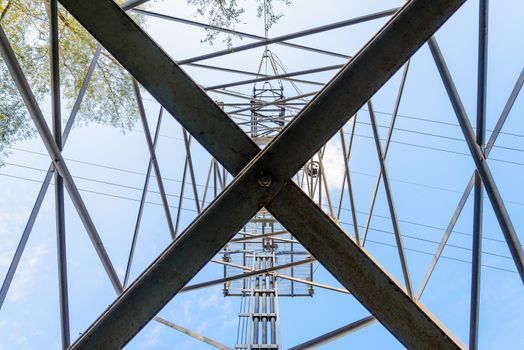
{"points": [[263, 178]]}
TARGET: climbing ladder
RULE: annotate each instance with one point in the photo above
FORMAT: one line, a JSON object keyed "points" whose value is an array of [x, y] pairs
{"points": [[258, 326]]}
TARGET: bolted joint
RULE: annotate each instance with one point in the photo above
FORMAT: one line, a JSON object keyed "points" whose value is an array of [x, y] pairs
{"points": [[264, 179]]}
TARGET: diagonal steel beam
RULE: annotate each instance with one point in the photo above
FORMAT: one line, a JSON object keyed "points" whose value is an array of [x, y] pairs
{"points": [[266, 175], [193, 334], [347, 178], [246, 274], [479, 158], [273, 77], [253, 74], [189, 158], [45, 185], [386, 148], [238, 33], [58, 161], [142, 201], [154, 159], [335, 334], [489, 146], [291, 36], [389, 197], [311, 283], [47, 180]]}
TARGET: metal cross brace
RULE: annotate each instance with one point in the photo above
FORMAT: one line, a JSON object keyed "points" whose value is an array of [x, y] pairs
{"points": [[47, 180], [262, 177], [23, 86], [479, 157]]}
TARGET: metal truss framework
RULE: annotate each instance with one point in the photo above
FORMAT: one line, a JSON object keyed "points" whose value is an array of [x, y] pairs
{"points": [[263, 177]]}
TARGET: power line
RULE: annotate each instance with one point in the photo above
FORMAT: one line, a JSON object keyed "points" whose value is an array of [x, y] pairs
{"points": [[96, 192], [203, 186], [373, 229], [442, 256], [325, 205]]}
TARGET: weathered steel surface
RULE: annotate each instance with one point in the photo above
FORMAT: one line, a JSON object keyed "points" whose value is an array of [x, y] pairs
{"points": [[347, 92]]}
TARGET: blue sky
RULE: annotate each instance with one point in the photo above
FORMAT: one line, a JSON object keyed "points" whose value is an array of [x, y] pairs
{"points": [[426, 184]]}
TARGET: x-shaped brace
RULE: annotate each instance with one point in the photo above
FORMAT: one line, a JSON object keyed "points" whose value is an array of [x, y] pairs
{"points": [[263, 177]]}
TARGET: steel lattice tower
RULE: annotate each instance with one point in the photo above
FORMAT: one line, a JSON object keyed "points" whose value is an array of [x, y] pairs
{"points": [[265, 213]]}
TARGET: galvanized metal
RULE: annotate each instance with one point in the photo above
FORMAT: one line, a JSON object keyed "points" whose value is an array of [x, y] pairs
{"points": [[347, 177], [193, 334], [152, 154], [45, 185], [480, 162], [237, 71], [478, 200], [247, 274], [63, 293], [336, 334], [142, 202], [175, 267], [272, 77], [54, 152], [268, 41], [385, 151], [237, 33], [391, 205], [489, 146]]}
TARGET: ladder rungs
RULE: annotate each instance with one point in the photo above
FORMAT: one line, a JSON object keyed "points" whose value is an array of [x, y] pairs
{"points": [[254, 314], [258, 290], [257, 346]]}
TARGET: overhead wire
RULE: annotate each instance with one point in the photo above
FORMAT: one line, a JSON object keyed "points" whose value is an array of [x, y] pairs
{"points": [[200, 185], [362, 173], [345, 223]]}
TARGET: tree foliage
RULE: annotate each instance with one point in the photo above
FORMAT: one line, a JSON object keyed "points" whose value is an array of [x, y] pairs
{"points": [[109, 98], [228, 13]]}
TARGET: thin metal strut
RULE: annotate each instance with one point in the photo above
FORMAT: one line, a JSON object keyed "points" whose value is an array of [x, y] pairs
{"points": [[427, 18]]}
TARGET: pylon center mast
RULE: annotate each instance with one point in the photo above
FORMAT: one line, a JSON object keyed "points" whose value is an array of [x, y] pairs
{"points": [[264, 243]]}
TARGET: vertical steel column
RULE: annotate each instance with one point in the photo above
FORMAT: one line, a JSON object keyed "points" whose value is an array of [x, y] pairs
{"points": [[59, 182], [264, 302], [45, 185], [256, 309], [272, 304], [476, 251]]}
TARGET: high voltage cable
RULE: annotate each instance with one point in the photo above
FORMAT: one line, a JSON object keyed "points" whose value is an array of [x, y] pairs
{"points": [[442, 256], [373, 229], [200, 185], [207, 202], [96, 192]]}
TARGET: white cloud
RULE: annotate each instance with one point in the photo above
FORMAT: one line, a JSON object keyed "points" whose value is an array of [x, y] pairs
{"points": [[334, 165], [30, 264]]}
